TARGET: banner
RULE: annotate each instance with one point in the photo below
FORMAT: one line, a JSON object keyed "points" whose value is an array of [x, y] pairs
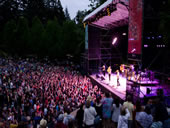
{"points": [[135, 27]]}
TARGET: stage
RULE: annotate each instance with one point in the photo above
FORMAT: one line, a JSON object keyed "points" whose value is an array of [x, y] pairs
{"points": [[120, 91]]}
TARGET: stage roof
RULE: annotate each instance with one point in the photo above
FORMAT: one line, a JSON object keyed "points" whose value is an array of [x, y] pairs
{"points": [[118, 17]]}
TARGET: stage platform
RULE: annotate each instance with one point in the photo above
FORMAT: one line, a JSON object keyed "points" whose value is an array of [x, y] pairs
{"points": [[120, 91]]}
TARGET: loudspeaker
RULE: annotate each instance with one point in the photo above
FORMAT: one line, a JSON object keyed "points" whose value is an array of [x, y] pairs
{"points": [[102, 78], [148, 91]]}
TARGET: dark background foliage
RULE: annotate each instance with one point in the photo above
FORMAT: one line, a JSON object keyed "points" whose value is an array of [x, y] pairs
{"points": [[43, 28]]}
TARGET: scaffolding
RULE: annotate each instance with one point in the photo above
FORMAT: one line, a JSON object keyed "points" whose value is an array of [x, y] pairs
{"points": [[100, 51]]}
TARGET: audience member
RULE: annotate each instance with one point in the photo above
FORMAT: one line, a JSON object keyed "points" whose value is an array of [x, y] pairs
{"points": [[128, 104], [123, 118], [89, 115], [107, 102], [116, 111]]}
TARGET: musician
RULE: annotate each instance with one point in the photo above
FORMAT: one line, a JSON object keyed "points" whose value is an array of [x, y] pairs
{"points": [[122, 69], [103, 69], [109, 70], [118, 83]]}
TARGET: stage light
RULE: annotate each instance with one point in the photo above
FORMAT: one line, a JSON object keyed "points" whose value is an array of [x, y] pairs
{"points": [[145, 45], [124, 34], [159, 36], [131, 39], [114, 40], [133, 50]]}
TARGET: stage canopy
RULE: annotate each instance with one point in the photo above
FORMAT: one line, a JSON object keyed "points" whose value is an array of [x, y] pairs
{"points": [[112, 13]]}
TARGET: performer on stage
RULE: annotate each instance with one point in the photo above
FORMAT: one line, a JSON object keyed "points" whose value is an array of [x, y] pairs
{"points": [[118, 83], [122, 69], [103, 70], [109, 70]]}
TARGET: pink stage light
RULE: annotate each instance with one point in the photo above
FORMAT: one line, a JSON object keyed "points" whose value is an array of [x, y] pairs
{"points": [[133, 50], [114, 40]]}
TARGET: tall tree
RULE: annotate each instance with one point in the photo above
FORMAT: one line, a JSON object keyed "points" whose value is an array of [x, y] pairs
{"points": [[35, 8], [67, 15], [9, 35], [80, 16], [36, 36], [61, 15], [54, 39], [22, 36], [8, 11], [95, 3]]}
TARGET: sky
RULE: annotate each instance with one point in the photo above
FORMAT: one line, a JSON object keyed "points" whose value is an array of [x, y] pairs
{"points": [[74, 5]]}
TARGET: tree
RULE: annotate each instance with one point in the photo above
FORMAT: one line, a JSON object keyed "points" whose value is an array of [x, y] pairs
{"points": [[54, 9], [36, 36], [80, 16], [22, 36], [95, 3], [67, 15], [35, 8], [9, 35], [61, 15], [54, 34], [8, 11]]}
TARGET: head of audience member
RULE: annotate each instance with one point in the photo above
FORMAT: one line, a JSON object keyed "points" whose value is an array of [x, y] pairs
{"points": [[107, 95], [123, 111], [138, 106], [43, 123], [129, 98], [88, 104], [147, 110], [81, 106], [117, 102]]}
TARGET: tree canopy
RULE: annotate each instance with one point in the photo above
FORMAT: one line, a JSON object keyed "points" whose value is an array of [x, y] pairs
{"points": [[39, 27]]}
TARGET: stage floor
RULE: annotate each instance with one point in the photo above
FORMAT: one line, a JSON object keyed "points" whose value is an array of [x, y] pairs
{"points": [[120, 91]]}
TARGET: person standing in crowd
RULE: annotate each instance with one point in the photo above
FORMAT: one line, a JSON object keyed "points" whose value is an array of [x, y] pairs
{"points": [[79, 116], [123, 118], [160, 113], [89, 115], [143, 118], [98, 106], [128, 104], [116, 111], [106, 110]]}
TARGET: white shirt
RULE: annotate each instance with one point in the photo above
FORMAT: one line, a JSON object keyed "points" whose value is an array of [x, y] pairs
{"points": [[116, 112], [144, 119], [89, 115], [123, 120]]}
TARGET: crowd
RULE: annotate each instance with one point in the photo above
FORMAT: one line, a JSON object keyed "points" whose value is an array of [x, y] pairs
{"points": [[154, 114], [31, 91], [40, 94]]}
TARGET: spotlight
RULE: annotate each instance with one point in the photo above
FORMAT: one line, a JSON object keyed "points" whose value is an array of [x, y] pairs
{"points": [[133, 50], [124, 34], [114, 40]]}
